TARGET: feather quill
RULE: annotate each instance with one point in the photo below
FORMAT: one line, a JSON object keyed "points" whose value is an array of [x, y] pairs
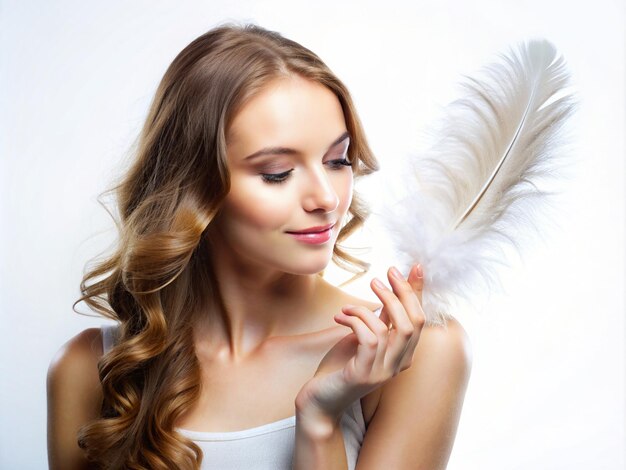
{"points": [[475, 189]]}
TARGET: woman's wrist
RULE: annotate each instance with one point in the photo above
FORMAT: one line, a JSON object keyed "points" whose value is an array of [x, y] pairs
{"points": [[319, 443], [315, 424]]}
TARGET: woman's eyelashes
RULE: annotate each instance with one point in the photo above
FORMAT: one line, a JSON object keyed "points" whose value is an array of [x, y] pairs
{"points": [[275, 178]]}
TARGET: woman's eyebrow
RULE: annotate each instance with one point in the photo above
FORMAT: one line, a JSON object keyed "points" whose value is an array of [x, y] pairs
{"points": [[289, 151]]}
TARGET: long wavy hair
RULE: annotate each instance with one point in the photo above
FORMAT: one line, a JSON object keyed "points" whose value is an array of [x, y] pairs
{"points": [[158, 280]]}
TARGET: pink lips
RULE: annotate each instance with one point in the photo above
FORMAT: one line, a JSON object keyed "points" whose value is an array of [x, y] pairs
{"points": [[314, 235]]}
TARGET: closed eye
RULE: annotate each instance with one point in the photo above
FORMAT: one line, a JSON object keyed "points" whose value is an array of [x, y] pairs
{"points": [[275, 177], [340, 162]]}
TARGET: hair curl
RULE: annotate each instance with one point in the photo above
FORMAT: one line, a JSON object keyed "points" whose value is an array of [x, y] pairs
{"points": [[158, 278]]}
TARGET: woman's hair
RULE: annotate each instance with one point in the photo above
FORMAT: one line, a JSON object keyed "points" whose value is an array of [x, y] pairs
{"points": [[158, 280]]}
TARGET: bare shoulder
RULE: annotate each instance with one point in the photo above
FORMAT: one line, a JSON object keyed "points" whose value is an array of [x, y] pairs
{"points": [[442, 360], [419, 409], [77, 358], [337, 297], [74, 396], [448, 343], [76, 361]]}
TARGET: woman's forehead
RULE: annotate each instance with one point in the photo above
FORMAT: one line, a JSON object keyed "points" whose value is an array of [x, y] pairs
{"points": [[292, 112]]}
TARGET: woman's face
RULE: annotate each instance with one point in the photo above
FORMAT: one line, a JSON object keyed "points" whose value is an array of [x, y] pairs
{"points": [[287, 150]]}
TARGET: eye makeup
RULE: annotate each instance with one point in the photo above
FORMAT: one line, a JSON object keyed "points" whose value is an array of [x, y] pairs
{"points": [[335, 164], [275, 178]]}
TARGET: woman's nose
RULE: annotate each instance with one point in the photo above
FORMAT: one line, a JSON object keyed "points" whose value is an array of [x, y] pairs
{"points": [[320, 193]]}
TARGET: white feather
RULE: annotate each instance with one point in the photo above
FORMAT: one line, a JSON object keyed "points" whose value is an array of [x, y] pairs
{"points": [[475, 191]]}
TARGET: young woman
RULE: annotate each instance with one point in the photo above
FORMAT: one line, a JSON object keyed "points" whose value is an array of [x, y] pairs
{"points": [[231, 351]]}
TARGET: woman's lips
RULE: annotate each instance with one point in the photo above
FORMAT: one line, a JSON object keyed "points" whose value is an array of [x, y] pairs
{"points": [[314, 237]]}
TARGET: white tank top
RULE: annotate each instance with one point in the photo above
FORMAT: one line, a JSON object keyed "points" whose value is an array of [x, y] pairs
{"points": [[266, 447]]}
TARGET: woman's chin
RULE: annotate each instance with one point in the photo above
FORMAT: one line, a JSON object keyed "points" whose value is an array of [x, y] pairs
{"points": [[309, 267]]}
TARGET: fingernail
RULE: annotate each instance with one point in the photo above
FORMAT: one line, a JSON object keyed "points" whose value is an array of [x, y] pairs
{"points": [[395, 273], [379, 284], [420, 272]]}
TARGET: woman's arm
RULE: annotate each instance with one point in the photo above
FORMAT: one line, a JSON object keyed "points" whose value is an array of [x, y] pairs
{"points": [[319, 444], [377, 350], [74, 398], [416, 420]]}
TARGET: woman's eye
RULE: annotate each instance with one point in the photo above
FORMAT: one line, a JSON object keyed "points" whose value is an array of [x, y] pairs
{"points": [[340, 162], [275, 177]]}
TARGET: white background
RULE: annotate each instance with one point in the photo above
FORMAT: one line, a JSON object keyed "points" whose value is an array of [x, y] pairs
{"points": [[547, 388]]}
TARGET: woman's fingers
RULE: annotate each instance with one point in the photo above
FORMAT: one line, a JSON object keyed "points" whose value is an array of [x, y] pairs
{"points": [[386, 344], [416, 279], [407, 296], [404, 310], [371, 334], [401, 328]]}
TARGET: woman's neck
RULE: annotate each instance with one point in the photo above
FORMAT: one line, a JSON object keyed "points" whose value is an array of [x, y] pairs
{"points": [[259, 306]]}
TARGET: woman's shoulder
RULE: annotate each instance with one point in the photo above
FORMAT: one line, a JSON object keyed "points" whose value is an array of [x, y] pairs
{"points": [[338, 297], [445, 347], [86, 346], [76, 361], [74, 396]]}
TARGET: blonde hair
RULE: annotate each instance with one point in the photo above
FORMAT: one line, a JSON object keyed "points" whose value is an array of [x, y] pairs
{"points": [[158, 279]]}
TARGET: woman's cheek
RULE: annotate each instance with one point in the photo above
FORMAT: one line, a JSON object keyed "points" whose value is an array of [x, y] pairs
{"points": [[345, 191], [259, 204]]}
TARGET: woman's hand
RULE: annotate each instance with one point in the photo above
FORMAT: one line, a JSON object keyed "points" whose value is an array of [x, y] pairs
{"points": [[378, 349]]}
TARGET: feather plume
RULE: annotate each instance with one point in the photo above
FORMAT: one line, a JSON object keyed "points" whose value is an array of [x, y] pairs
{"points": [[475, 189]]}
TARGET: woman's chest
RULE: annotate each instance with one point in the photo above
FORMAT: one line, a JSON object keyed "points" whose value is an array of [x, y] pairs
{"points": [[240, 397], [259, 390]]}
